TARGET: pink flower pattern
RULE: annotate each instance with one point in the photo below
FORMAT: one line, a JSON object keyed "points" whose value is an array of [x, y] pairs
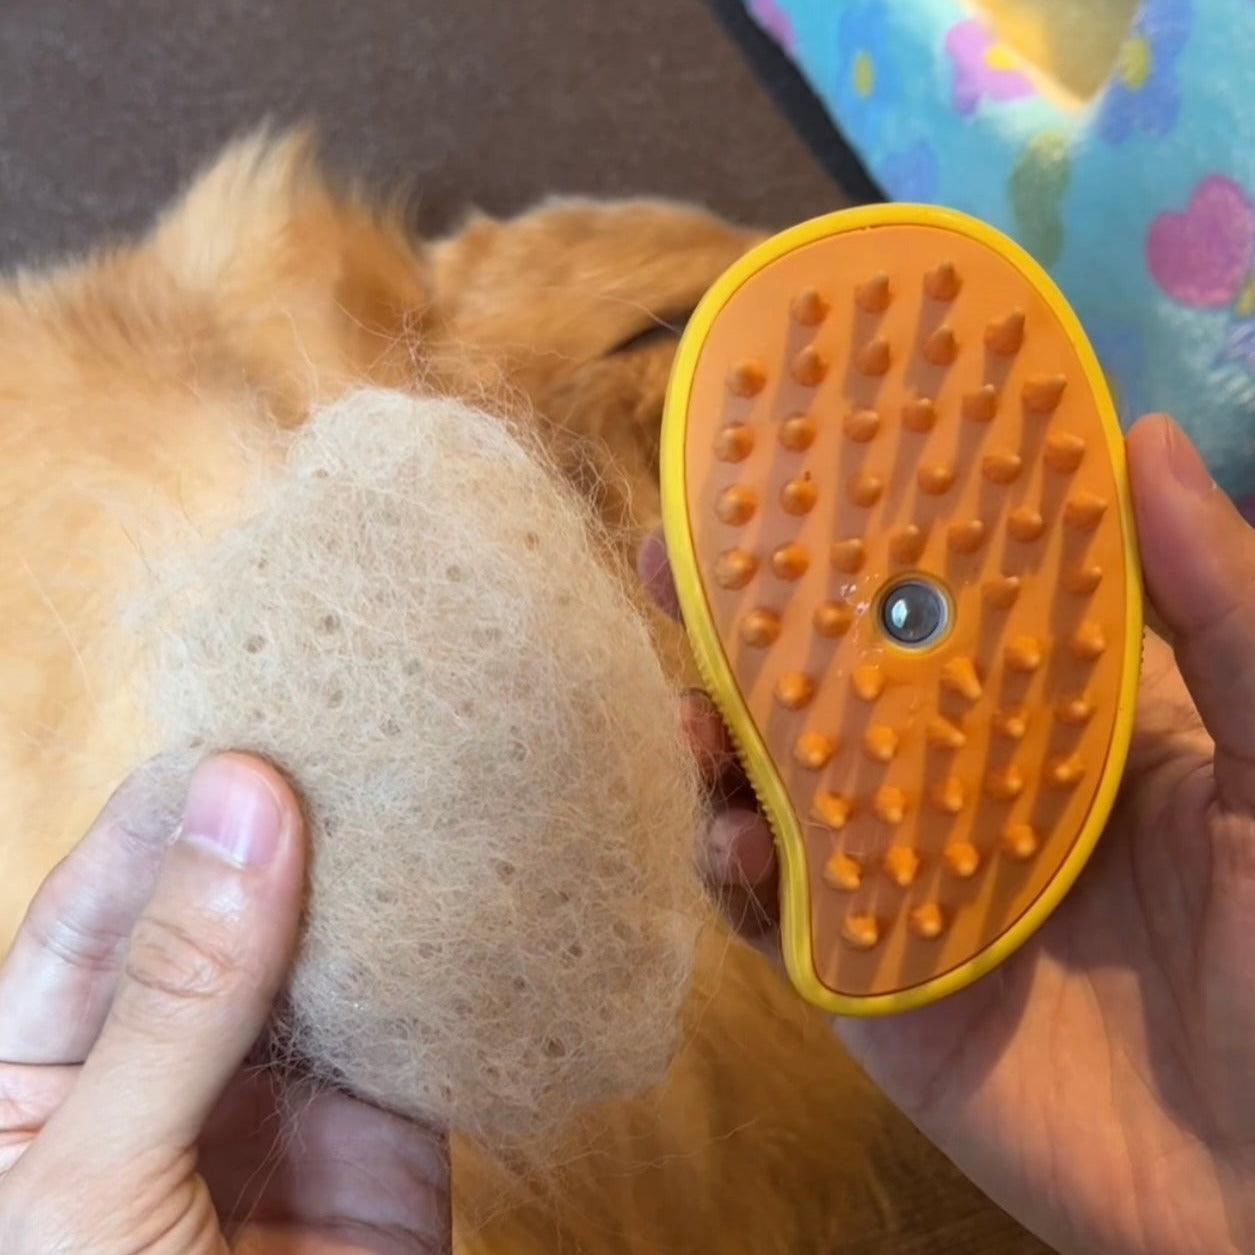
{"points": [[775, 21], [979, 71]]}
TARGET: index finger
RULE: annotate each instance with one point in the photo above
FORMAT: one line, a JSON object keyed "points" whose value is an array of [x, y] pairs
{"points": [[60, 974]]}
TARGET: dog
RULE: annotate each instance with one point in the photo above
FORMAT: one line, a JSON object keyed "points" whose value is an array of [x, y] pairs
{"points": [[142, 375]]}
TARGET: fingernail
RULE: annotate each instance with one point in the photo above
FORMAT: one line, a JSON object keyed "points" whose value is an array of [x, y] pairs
{"points": [[232, 812], [1189, 469]]}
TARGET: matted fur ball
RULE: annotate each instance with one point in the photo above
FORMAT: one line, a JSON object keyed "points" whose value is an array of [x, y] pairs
{"points": [[421, 626]]}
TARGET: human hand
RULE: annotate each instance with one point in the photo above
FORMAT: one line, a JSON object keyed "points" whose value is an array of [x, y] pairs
{"points": [[141, 978], [1100, 1084]]}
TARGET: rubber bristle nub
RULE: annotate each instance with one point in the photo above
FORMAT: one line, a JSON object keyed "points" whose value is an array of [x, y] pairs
{"points": [[866, 488], [963, 859], [736, 504], [790, 562], [861, 425], [927, 921], [735, 568], [1001, 466], [875, 357], [901, 863], [734, 443], [941, 347], [942, 283], [747, 377], [809, 308], [760, 628], [848, 555], [1042, 393], [1074, 711], [1024, 653], [1001, 591], [890, 805], [1082, 580], [1005, 336], [880, 743], [868, 681], [843, 872], [1063, 451], [907, 545], [982, 405], [882, 416], [874, 295], [833, 810], [861, 931], [1012, 724], [813, 750], [919, 415], [1020, 841], [797, 434], [1005, 784], [799, 495], [1025, 524], [808, 368], [1089, 641], [943, 733], [935, 477], [949, 795], [833, 619], [960, 676], [1065, 773], [794, 690], [966, 537], [1084, 511]]}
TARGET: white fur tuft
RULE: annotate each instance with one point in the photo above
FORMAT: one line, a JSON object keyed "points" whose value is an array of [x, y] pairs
{"points": [[419, 625]]}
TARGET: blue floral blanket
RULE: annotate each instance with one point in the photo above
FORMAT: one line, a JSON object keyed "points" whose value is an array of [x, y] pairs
{"points": [[1139, 200]]}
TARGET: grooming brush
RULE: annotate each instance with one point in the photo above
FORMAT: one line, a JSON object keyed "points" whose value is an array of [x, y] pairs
{"points": [[897, 512]]}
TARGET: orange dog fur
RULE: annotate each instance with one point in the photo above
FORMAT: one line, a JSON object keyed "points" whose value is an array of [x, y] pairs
{"points": [[143, 375]]}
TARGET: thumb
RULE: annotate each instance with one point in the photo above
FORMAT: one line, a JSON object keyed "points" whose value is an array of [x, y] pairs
{"points": [[1198, 555], [205, 961]]}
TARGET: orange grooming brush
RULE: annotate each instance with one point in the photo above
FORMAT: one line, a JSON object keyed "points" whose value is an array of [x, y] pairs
{"points": [[896, 506]]}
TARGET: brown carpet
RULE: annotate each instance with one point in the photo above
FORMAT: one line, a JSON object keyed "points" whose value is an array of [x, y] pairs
{"points": [[107, 106]]}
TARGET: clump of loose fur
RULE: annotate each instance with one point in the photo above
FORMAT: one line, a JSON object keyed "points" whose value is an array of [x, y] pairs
{"points": [[419, 624]]}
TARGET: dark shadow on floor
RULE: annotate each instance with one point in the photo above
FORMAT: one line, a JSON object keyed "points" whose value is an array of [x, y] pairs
{"points": [[782, 82]]}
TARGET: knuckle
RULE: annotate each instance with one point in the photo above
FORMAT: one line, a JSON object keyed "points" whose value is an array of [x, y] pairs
{"points": [[75, 939], [168, 962]]}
